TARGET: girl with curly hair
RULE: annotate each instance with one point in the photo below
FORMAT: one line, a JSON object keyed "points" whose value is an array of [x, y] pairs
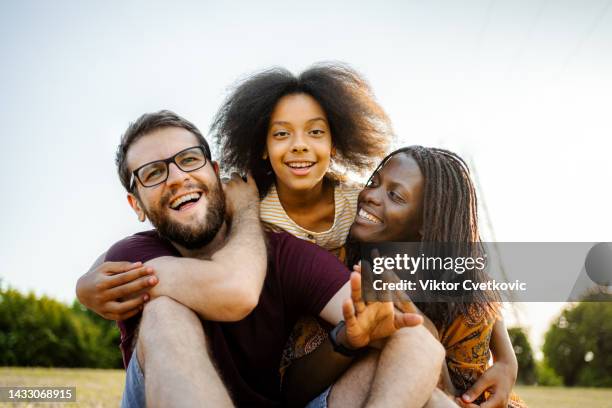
{"points": [[299, 136]]}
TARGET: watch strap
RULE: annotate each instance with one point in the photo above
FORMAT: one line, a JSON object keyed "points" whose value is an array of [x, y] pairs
{"points": [[340, 348]]}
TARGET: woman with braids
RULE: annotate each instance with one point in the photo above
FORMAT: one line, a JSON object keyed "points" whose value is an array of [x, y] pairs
{"points": [[420, 194], [427, 195]]}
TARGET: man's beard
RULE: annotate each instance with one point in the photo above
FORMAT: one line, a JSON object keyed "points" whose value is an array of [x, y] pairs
{"points": [[201, 232]]}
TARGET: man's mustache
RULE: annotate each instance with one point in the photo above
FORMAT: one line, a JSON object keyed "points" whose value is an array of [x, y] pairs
{"points": [[165, 200]]}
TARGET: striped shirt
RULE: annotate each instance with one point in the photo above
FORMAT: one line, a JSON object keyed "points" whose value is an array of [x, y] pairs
{"points": [[276, 219]]}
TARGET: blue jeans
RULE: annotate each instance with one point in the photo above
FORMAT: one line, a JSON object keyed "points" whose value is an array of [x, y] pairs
{"points": [[134, 392], [321, 400]]}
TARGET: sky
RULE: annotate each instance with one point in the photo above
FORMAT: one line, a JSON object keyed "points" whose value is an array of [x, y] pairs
{"points": [[521, 89]]}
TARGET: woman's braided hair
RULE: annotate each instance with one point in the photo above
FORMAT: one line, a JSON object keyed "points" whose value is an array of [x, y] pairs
{"points": [[450, 216]]}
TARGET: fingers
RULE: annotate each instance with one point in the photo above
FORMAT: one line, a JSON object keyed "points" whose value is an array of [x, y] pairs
{"points": [[112, 268], [235, 180], [496, 401], [232, 179], [478, 388], [348, 312], [122, 310], [357, 268], [131, 313], [128, 289], [402, 296], [355, 334], [404, 306], [407, 320], [126, 277], [462, 404], [356, 292], [125, 309]]}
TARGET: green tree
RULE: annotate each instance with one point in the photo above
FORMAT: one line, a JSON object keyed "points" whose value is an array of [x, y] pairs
{"points": [[524, 355], [44, 332], [578, 345], [546, 375]]}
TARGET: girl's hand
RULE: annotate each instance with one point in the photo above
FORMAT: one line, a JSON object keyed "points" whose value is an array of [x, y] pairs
{"points": [[371, 321], [241, 196]]}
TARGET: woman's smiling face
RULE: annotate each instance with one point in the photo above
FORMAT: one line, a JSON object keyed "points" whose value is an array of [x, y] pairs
{"points": [[299, 142], [390, 207]]}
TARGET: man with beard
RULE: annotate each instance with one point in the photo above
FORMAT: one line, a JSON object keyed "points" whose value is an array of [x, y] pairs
{"points": [[217, 294]]}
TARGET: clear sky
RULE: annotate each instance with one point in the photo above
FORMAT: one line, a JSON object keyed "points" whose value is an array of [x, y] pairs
{"points": [[523, 89]]}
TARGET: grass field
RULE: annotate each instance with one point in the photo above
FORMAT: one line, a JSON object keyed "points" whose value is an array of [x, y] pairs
{"points": [[94, 388], [558, 397], [102, 388]]}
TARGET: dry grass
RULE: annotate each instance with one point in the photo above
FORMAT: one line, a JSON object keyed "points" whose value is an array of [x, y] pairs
{"points": [[94, 388], [559, 397], [102, 388]]}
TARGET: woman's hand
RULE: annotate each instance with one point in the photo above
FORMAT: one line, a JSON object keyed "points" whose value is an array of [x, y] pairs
{"points": [[498, 380], [371, 321], [501, 376], [403, 302]]}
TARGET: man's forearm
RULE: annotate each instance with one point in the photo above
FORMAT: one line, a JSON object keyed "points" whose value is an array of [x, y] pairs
{"points": [[245, 249], [226, 287]]}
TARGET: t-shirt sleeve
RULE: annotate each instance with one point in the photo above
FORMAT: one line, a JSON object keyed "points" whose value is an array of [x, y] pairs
{"points": [[140, 247], [310, 275]]}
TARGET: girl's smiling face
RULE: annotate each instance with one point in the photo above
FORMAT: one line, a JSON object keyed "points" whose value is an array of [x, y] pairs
{"points": [[390, 207], [299, 142]]}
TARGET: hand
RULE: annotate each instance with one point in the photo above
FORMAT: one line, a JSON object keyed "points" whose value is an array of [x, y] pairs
{"points": [[498, 380], [368, 322], [241, 196], [401, 300], [404, 304], [116, 290]]}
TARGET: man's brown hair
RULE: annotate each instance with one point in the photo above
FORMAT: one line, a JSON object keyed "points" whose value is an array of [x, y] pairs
{"points": [[144, 125]]}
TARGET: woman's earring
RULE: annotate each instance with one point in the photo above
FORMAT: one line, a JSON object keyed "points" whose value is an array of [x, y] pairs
{"points": [[265, 156]]}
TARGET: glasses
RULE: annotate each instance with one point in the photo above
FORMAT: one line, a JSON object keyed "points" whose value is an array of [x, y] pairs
{"points": [[156, 172]]}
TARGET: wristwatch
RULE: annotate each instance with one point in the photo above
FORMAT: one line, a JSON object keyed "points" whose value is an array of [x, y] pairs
{"points": [[339, 348]]}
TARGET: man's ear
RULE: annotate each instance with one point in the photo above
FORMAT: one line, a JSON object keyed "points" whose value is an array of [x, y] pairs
{"points": [[136, 206], [215, 166]]}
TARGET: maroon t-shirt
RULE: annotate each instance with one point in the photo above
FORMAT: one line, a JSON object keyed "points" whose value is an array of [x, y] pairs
{"points": [[301, 279]]}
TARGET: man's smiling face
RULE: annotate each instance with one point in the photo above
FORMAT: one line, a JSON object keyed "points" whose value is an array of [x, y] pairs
{"points": [[189, 207]]}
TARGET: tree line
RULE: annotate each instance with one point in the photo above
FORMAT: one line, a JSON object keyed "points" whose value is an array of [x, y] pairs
{"points": [[40, 331]]}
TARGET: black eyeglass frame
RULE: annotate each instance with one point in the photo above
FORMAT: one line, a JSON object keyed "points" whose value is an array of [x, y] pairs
{"points": [[167, 162]]}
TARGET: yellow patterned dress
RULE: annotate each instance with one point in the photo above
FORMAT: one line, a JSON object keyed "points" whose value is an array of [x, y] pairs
{"points": [[466, 342]]}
